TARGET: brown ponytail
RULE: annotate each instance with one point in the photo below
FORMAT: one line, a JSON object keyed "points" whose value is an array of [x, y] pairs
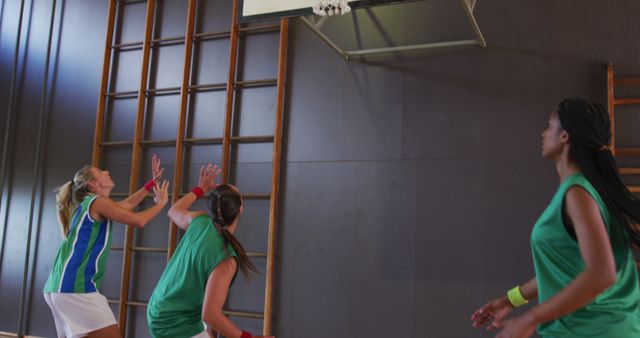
{"points": [[224, 205], [70, 195]]}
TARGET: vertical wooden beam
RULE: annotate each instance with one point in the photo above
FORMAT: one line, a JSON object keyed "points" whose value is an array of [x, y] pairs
{"points": [[184, 101], [135, 163], [275, 176], [104, 81], [610, 106], [228, 116]]}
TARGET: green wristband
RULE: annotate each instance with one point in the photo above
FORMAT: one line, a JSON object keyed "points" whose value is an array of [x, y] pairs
{"points": [[516, 298]]}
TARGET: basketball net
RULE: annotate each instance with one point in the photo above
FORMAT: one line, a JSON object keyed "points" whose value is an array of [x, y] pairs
{"points": [[331, 7]]}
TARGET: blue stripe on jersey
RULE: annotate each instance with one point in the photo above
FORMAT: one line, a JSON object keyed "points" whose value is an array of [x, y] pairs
{"points": [[90, 270], [82, 241], [74, 221]]}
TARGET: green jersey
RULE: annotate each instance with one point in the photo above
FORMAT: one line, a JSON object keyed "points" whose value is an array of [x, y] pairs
{"points": [[615, 313], [175, 307], [80, 262]]}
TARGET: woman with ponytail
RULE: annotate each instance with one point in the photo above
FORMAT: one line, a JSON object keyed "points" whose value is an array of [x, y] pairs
{"points": [[586, 280], [195, 284], [85, 214]]}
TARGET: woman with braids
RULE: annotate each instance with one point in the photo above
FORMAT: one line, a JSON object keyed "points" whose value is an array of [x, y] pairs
{"points": [[586, 279], [85, 214], [194, 286]]}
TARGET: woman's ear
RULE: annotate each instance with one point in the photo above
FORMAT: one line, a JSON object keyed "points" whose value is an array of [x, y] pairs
{"points": [[564, 136]]}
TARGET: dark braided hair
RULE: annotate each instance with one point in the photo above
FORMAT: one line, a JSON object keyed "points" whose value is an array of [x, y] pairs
{"points": [[589, 129], [224, 205]]}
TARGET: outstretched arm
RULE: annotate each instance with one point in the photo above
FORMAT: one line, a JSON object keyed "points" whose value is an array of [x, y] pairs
{"points": [[134, 199], [496, 310], [179, 212], [105, 207]]}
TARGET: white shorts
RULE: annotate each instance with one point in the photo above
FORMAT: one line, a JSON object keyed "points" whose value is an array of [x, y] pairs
{"points": [[202, 334], [77, 314]]}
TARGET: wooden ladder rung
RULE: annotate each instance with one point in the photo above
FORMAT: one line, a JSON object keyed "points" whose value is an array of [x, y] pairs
{"points": [[626, 100], [116, 144], [128, 45], [259, 28], [634, 188], [142, 249], [246, 314], [162, 91], [158, 143], [208, 87], [627, 152], [164, 250], [243, 30], [234, 139], [627, 81], [256, 83], [125, 94], [175, 40], [129, 2], [629, 171]]}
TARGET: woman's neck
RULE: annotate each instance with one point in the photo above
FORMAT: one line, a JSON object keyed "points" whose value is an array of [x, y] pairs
{"points": [[232, 228], [566, 168]]}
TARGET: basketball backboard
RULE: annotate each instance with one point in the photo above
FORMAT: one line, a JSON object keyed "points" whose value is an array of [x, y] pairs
{"points": [[266, 10]]}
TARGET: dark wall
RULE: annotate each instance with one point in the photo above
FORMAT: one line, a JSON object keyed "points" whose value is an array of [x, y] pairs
{"points": [[410, 185]]}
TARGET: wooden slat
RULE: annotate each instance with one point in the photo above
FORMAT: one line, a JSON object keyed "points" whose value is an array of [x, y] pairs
{"points": [[629, 171], [259, 29], [104, 80], [163, 91], [611, 106], [245, 314], [275, 177], [228, 109], [116, 144], [256, 29], [208, 87], [168, 41], [627, 81], [634, 189], [128, 45], [135, 164], [182, 117], [158, 143], [627, 152], [626, 100], [256, 83], [123, 95]]}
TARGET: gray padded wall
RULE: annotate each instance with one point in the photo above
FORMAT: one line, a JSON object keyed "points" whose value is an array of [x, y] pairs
{"points": [[410, 186]]}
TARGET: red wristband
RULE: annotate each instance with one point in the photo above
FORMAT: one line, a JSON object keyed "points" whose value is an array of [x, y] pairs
{"points": [[246, 334], [199, 193], [149, 185]]}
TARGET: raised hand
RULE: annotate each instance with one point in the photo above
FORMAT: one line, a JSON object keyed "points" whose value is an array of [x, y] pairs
{"points": [[161, 193], [208, 176], [156, 170], [493, 312]]}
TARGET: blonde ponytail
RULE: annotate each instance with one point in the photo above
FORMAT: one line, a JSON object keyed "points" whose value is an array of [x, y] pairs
{"points": [[63, 206], [69, 196]]}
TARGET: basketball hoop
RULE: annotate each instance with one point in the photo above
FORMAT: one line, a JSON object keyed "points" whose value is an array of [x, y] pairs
{"points": [[331, 7]]}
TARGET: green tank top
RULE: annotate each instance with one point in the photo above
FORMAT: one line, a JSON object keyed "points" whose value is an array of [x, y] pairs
{"points": [[175, 307], [80, 263], [615, 313]]}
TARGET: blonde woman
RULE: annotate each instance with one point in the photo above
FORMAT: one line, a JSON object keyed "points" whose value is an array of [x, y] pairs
{"points": [[85, 214]]}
